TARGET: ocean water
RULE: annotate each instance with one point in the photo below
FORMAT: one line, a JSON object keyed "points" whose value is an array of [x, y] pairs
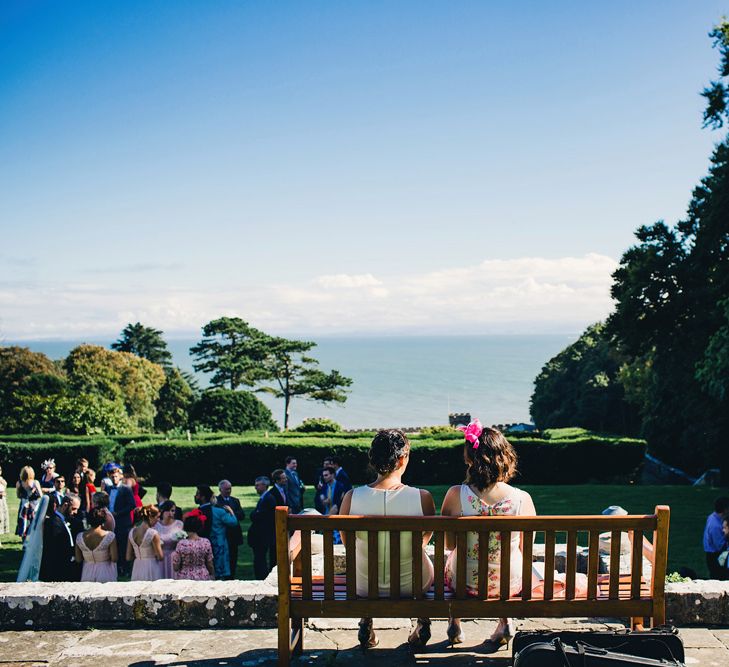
{"points": [[408, 381]]}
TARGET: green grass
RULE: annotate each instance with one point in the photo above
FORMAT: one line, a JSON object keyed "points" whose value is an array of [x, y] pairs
{"points": [[689, 508]]}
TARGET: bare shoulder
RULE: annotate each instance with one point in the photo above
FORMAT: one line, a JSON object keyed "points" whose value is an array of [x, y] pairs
{"points": [[527, 503]]}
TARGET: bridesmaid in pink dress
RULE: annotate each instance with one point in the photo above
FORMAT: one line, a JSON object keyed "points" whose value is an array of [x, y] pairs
{"points": [[168, 528], [96, 549], [193, 557], [144, 547]]}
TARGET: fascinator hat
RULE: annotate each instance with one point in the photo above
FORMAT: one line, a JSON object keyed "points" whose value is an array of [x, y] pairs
{"points": [[48, 463], [472, 432]]}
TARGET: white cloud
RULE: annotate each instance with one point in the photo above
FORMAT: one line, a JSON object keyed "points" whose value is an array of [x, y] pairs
{"points": [[493, 296]]}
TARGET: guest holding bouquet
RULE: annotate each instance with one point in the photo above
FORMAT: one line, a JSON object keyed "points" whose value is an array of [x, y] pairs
{"points": [[193, 555], [170, 532]]}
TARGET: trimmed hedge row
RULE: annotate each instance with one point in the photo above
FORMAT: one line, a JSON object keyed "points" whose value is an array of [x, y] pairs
{"points": [[578, 461], [13, 456]]}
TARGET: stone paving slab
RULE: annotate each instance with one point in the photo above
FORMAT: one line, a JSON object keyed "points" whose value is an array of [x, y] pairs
{"points": [[330, 642]]}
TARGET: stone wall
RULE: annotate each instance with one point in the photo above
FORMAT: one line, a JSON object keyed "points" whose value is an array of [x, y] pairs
{"points": [[235, 604]]}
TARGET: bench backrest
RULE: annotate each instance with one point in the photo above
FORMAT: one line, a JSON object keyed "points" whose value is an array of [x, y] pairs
{"points": [[570, 529]]}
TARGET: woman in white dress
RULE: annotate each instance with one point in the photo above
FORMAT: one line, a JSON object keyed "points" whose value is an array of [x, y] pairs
{"points": [[490, 464], [387, 495], [144, 546], [169, 530], [96, 548]]}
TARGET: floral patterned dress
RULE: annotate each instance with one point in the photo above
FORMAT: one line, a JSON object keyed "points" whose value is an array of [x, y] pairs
{"points": [[472, 505], [192, 557]]}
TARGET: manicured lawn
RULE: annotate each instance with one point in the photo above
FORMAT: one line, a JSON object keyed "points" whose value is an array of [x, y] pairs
{"points": [[689, 508]]}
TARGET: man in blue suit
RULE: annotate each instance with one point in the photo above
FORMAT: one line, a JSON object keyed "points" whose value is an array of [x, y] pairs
{"points": [[295, 487], [121, 505]]}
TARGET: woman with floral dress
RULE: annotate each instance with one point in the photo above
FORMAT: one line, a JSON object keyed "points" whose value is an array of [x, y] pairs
{"points": [[193, 557], [490, 464]]}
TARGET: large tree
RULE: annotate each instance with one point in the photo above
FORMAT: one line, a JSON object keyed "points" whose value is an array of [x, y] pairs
{"points": [[581, 386], [117, 376], [232, 350], [295, 374], [238, 354], [145, 342]]}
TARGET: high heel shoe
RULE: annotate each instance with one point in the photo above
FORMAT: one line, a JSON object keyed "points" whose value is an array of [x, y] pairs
{"points": [[455, 633], [498, 640], [366, 635], [421, 635]]}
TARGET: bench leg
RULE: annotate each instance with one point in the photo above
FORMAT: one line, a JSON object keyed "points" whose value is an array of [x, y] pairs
{"points": [[297, 630], [284, 640]]}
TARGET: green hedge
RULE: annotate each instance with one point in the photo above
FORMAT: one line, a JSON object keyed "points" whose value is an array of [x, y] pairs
{"points": [[431, 462], [14, 455]]}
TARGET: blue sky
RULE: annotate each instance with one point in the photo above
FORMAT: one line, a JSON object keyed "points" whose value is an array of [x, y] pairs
{"points": [[338, 167]]}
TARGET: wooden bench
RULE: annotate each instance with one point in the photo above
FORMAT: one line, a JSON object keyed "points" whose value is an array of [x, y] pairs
{"points": [[304, 595]]}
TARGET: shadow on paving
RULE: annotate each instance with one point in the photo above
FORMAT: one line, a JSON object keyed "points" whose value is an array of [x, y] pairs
{"points": [[439, 653]]}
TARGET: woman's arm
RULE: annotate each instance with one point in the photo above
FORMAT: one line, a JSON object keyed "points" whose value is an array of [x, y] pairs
{"points": [[130, 550], [209, 560], [527, 509], [77, 554], [176, 561], [157, 546], [427, 504], [344, 510], [451, 507], [113, 551], [17, 489]]}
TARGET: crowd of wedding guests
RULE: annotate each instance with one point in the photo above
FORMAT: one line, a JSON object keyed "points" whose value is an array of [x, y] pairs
{"points": [[74, 528]]}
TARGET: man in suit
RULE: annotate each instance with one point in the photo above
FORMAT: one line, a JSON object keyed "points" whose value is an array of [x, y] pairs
{"points": [[234, 533], [57, 560], [341, 476], [121, 505], [262, 533], [332, 491], [295, 487], [59, 489]]}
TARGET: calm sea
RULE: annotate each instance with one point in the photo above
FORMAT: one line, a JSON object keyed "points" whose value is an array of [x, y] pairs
{"points": [[409, 381]]}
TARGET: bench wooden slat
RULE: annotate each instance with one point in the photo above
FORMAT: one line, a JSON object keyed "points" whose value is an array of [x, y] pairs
{"points": [[395, 564], [636, 564], [329, 564], [505, 565], [527, 564], [472, 523], [461, 548], [615, 543], [483, 564], [571, 565], [593, 564], [372, 583], [306, 563], [351, 550], [549, 541], [439, 564], [417, 555]]}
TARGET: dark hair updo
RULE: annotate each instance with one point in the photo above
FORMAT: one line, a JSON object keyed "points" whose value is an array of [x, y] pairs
{"points": [[494, 460], [192, 524], [96, 517], [145, 513], [387, 448]]}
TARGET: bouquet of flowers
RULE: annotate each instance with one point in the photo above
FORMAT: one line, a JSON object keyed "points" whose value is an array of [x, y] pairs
{"points": [[180, 535]]}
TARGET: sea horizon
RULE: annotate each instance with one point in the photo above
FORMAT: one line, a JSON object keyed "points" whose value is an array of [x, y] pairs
{"points": [[400, 380]]}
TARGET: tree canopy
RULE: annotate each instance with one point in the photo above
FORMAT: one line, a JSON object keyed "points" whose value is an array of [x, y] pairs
{"points": [[145, 342], [670, 325], [238, 354]]}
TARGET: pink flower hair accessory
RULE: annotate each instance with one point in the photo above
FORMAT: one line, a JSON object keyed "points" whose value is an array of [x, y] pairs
{"points": [[472, 432]]}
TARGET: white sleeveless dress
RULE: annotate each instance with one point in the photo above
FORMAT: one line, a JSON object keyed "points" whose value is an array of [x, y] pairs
{"points": [[146, 566], [97, 565], [404, 501], [472, 505]]}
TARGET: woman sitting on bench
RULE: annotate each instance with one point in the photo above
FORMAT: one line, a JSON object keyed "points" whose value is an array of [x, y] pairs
{"points": [[386, 496], [490, 464]]}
